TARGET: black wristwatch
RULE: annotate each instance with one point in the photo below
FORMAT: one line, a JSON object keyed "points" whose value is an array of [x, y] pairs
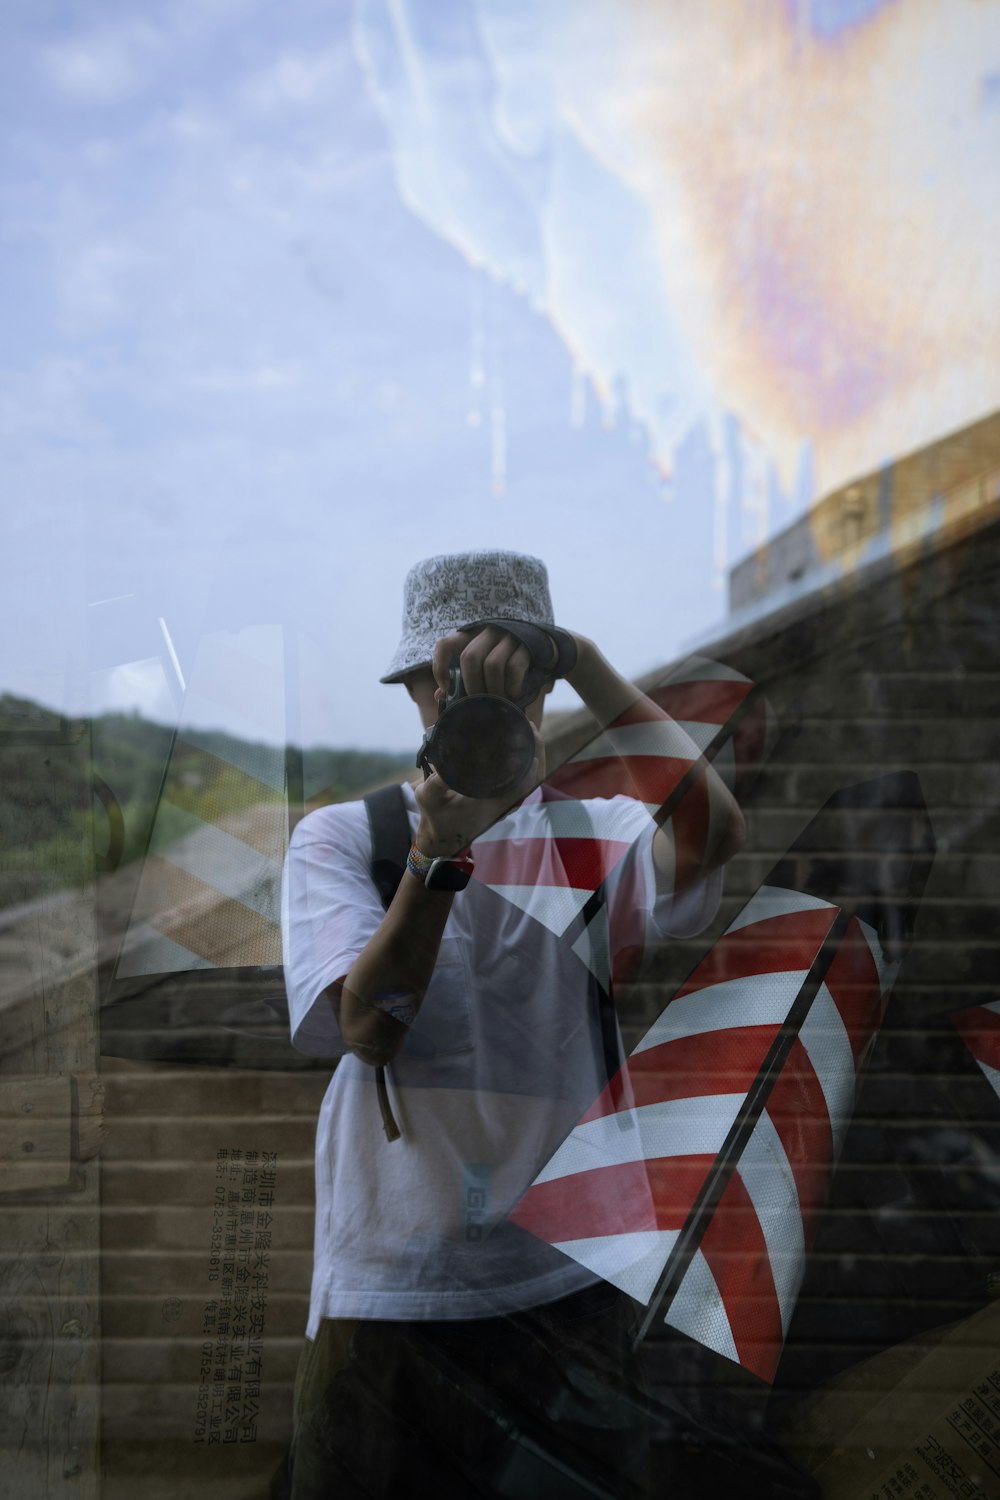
{"points": [[448, 875]]}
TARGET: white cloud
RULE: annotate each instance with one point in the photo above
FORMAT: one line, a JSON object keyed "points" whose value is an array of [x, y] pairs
{"points": [[46, 404], [107, 64], [262, 377], [294, 79], [93, 278]]}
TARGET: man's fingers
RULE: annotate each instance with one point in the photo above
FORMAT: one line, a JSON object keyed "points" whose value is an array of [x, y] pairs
{"points": [[517, 670], [491, 661], [445, 650], [474, 656], [504, 667], [430, 792], [495, 662]]}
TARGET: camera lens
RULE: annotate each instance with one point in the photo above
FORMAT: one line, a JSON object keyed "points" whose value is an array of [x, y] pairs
{"points": [[483, 746]]}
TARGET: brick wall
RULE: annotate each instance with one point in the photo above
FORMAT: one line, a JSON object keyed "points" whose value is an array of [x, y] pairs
{"points": [[897, 668]]}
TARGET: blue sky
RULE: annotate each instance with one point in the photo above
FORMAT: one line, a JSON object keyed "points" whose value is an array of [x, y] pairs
{"points": [[272, 333]]}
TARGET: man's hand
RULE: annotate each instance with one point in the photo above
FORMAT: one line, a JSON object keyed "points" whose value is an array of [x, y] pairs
{"points": [[492, 661]]}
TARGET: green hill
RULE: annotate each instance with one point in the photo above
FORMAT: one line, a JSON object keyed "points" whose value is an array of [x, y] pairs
{"points": [[51, 793]]}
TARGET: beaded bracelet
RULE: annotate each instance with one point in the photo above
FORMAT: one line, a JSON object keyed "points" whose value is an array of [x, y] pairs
{"points": [[418, 864]]}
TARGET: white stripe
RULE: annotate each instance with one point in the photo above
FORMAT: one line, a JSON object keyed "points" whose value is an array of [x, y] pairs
{"points": [[667, 739], [267, 763], [620, 819], [555, 906], [991, 1074], [225, 863], [828, 1047], [149, 952], [631, 1262], [699, 1311], [671, 1127], [993, 1005], [770, 1183], [775, 901], [757, 1000], [699, 669]]}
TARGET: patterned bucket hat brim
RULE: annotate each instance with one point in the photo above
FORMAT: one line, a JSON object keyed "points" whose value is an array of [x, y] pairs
{"points": [[441, 594]]}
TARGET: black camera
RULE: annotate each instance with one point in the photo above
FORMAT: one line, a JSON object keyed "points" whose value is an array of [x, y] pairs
{"points": [[482, 744]]}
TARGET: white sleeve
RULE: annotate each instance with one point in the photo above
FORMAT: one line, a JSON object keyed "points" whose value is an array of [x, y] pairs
{"points": [[329, 911]]}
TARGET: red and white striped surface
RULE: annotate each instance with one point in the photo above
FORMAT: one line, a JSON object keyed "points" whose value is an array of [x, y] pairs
{"points": [[557, 854], [700, 696], [617, 1193], [979, 1028]]}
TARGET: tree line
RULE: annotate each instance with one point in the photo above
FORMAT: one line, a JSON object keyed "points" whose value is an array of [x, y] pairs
{"points": [[49, 810]]}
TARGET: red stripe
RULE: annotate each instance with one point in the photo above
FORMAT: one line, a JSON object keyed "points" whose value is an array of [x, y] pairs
{"points": [[646, 778], [772, 945], [715, 1062], [652, 778], [578, 862], [797, 1110], [708, 700], [690, 831], [736, 1252], [584, 779], [852, 980], [979, 1028], [623, 1199]]}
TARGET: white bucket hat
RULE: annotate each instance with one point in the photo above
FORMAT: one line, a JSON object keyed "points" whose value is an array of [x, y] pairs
{"points": [[441, 594]]}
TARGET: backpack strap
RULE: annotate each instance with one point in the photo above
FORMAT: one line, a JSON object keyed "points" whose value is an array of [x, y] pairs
{"points": [[389, 821]]}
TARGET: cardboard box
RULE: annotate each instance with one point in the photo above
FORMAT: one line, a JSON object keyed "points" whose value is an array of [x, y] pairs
{"points": [[919, 1422]]}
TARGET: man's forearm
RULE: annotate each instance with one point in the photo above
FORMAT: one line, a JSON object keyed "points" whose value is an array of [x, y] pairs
{"points": [[380, 997], [605, 692]]}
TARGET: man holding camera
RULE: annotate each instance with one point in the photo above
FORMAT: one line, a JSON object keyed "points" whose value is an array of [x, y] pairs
{"points": [[447, 1347]]}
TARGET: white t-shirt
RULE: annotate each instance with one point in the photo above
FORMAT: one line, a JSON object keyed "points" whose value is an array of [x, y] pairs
{"points": [[503, 1058]]}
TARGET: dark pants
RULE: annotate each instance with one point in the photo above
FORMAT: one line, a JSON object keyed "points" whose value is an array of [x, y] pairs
{"points": [[546, 1403]]}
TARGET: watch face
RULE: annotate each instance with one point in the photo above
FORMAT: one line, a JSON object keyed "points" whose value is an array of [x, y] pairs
{"points": [[446, 875]]}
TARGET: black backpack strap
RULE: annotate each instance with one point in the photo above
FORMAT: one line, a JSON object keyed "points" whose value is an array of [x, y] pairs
{"points": [[389, 821]]}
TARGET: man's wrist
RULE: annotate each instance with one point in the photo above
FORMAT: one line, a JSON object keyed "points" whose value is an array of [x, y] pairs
{"points": [[587, 659], [417, 863], [440, 872]]}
